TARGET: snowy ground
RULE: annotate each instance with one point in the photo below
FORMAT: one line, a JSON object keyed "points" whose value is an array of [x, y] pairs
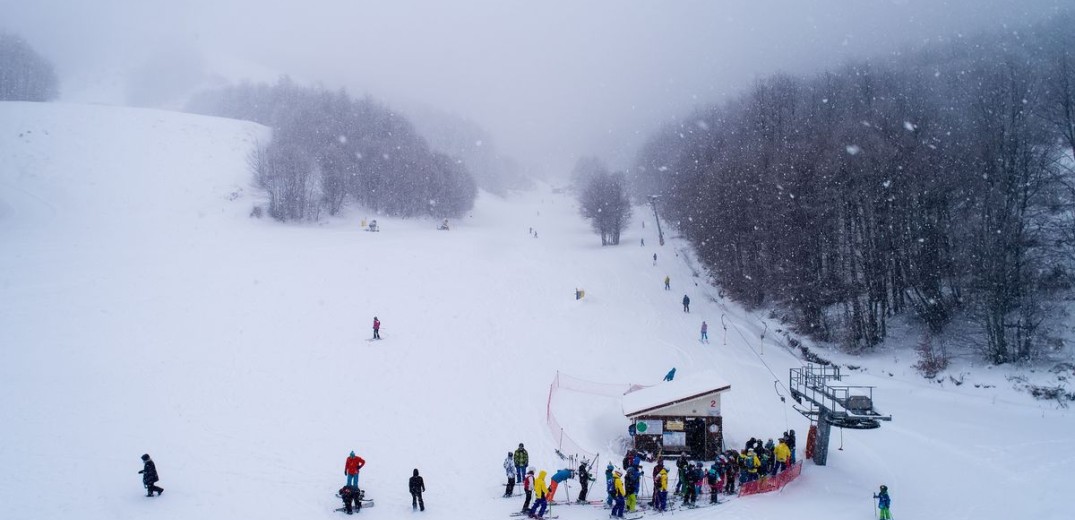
{"points": [[142, 310]]}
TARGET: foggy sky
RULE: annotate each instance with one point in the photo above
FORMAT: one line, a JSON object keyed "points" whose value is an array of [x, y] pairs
{"points": [[549, 79]]}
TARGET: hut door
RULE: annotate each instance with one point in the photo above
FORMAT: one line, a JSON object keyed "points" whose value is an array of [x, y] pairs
{"points": [[695, 430]]}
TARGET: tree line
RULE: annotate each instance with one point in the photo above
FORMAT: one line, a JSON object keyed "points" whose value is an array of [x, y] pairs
{"points": [[25, 75], [328, 149], [937, 183]]}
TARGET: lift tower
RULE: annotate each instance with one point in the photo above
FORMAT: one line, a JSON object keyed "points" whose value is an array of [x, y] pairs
{"points": [[831, 405]]}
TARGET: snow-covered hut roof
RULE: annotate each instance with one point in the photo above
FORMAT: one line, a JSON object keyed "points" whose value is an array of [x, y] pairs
{"points": [[670, 393]]}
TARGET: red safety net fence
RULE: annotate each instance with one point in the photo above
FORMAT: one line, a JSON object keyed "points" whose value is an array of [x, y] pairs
{"points": [[566, 445], [773, 483]]}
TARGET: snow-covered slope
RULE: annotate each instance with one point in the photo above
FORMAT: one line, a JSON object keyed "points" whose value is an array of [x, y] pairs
{"points": [[142, 310]]}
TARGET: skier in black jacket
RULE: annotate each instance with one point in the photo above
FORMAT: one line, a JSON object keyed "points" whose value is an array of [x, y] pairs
{"points": [[584, 481], [417, 486], [351, 499], [149, 476]]}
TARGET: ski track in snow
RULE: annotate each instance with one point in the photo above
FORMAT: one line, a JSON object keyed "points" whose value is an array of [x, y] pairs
{"points": [[143, 311]]}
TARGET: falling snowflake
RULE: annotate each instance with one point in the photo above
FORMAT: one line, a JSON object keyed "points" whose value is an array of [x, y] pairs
{"points": [[853, 149], [909, 126]]}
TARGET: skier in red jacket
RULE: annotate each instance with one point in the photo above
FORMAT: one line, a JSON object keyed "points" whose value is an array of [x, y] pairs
{"points": [[351, 467], [376, 328]]}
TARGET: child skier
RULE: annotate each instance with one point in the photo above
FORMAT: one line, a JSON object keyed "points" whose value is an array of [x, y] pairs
{"points": [[609, 487], [417, 485], [528, 490], [883, 503], [617, 484], [540, 489]]}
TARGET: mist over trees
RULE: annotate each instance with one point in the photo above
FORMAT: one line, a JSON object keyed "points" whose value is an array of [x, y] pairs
{"points": [[328, 149], [25, 75], [935, 183], [603, 198], [464, 139]]}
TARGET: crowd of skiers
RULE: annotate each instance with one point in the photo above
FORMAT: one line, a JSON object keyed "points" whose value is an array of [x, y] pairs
{"points": [[623, 485]]}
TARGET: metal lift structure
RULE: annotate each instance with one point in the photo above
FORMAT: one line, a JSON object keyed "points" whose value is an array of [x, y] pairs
{"points": [[832, 405]]}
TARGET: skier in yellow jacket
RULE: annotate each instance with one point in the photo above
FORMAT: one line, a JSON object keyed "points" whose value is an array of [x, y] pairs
{"points": [[540, 489], [619, 493], [661, 489], [781, 453]]}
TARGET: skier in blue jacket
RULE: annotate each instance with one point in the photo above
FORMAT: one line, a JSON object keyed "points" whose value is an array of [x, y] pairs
{"points": [[557, 478], [883, 503]]}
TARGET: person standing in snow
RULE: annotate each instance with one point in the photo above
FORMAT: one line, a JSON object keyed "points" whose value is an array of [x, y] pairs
{"points": [[528, 490], [705, 332], [660, 490], [712, 478], [584, 481], [351, 468], [609, 487], [686, 303], [654, 258], [149, 476], [781, 453], [631, 483], [417, 485], [509, 468], [883, 503], [667, 283], [376, 328], [791, 445], [540, 502], [522, 460], [619, 493]]}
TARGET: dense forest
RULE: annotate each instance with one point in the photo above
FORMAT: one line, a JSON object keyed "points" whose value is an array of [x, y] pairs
{"points": [[328, 149], [934, 183]]}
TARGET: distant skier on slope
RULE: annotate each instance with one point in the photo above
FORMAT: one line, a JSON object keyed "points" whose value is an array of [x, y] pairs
{"points": [[376, 328], [667, 283], [705, 332], [149, 476], [670, 375], [686, 303]]}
